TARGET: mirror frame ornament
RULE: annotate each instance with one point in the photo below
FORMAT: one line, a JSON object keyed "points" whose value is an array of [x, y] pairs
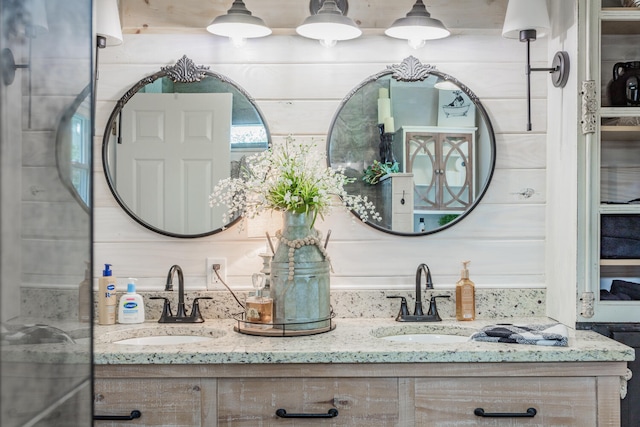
{"points": [[183, 71], [412, 70]]}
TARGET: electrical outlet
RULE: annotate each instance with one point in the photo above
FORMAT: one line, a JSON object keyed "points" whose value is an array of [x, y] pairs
{"points": [[212, 280]]}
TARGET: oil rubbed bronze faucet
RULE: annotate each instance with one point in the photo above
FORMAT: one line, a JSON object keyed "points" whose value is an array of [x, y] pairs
{"points": [[181, 316], [418, 314]]}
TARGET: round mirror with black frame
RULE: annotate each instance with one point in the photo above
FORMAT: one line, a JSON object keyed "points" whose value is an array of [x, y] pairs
{"points": [[171, 138], [418, 143]]}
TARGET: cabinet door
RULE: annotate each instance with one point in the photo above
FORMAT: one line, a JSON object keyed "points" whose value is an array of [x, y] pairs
{"points": [[359, 401], [612, 183], [558, 401], [442, 168], [172, 402]]}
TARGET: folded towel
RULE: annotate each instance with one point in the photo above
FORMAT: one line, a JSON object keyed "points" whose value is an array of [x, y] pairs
{"points": [[553, 334]]}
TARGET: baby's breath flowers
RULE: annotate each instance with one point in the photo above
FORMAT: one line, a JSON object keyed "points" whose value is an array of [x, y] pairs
{"points": [[288, 177]]}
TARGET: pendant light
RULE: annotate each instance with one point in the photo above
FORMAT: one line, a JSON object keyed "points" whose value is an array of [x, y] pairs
{"points": [[329, 25], [239, 24], [417, 27], [526, 20]]}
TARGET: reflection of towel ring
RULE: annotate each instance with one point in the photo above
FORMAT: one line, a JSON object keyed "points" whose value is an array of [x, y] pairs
{"points": [[459, 164]]}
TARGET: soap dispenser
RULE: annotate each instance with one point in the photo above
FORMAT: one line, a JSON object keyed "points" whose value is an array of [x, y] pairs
{"points": [[131, 306], [107, 297], [465, 295]]}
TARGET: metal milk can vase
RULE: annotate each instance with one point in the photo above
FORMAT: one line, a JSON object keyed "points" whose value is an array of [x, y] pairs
{"points": [[300, 276]]}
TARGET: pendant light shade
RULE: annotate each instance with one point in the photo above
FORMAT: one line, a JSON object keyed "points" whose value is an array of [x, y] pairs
{"points": [[417, 27], [526, 15], [329, 25], [239, 24], [108, 22]]}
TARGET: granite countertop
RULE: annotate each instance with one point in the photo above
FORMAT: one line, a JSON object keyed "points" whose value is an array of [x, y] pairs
{"points": [[352, 341]]}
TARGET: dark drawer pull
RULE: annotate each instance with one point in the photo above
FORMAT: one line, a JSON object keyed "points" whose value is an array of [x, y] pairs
{"points": [[134, 414], [531, 412], [331, 414]]}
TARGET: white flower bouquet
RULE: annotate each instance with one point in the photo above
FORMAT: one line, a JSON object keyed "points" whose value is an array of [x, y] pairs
{"points": [[288, 177]]}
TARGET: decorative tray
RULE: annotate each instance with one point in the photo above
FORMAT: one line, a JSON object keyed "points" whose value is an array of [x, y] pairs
{"points": [[288, 329]]}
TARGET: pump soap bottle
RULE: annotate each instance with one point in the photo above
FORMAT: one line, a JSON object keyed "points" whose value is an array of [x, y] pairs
{"points": [[465, 295], [107, 297], [131, 306]]}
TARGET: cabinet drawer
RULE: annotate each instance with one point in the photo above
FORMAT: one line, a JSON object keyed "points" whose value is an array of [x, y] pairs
{"points": [[162, 401], [359, 401], [558, 401]]}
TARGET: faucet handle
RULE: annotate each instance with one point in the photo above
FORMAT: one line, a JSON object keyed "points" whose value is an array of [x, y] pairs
{"points": [[166, 308], [404, 308], [433, 308], [195, 310]]}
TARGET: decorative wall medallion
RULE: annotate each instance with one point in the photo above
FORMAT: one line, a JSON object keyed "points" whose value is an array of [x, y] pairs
{"points": [[589, 106], [411, 70], [185, 71]]}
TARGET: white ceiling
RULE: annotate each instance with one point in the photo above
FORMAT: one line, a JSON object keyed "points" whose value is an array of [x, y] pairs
{"points": [[194, 15]]}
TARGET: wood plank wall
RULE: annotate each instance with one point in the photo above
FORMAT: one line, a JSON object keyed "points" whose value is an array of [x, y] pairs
{"points": [[298, 85]]}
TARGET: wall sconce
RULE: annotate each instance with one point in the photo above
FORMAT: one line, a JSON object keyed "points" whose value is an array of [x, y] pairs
{"points": [[36, 26], [526, 20], [108, 30], [417, 27], [329, 25], [238, 24], [108, 33]]}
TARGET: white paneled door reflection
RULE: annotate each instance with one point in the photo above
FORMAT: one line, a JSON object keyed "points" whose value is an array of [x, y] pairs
{"points": [[176, 149]]}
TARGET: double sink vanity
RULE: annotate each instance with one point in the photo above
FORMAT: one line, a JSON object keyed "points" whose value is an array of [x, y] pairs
{"points": [[209, 375], [368, 370]]}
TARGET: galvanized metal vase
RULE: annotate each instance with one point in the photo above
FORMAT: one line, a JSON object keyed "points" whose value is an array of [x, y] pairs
{"points": [[301, 299]]}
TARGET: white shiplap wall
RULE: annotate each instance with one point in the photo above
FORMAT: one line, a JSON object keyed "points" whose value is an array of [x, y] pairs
{"points": [[298, 85]]}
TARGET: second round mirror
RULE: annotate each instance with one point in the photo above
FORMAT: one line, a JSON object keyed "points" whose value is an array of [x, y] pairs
{"points": [[418, 143]]}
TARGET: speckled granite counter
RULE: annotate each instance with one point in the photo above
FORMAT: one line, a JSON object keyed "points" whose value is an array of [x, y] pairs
{"points": [[353, 341]]}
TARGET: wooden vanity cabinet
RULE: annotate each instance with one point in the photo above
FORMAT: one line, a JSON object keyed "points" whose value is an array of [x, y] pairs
{"points": [[398, 394]]}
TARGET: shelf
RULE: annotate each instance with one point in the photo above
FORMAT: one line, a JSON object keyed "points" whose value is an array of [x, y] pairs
{"points": [[620, 133], [620, 111], [619, 208], [620, 262], [620, 21]]}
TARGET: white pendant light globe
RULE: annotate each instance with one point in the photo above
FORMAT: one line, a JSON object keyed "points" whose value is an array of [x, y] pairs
{"points": [[329, 25], [239, 24], [417, 27]]}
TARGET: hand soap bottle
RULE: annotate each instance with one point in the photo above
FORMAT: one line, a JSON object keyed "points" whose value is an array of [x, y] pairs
{"points": [[465, 295], [107, 297], [131, 305]]}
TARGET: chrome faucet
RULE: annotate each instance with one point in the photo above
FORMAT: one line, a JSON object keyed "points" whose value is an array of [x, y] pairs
{"points": [[181, 316], [418, 314]]}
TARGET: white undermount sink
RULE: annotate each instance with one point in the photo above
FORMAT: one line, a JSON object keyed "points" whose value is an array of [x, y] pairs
{"points": [[424, 333], [164, 340], [427, 338]]}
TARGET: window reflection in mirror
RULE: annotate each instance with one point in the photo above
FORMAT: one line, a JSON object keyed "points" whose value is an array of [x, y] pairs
{"points": [[73, 148], [80, 154]]}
